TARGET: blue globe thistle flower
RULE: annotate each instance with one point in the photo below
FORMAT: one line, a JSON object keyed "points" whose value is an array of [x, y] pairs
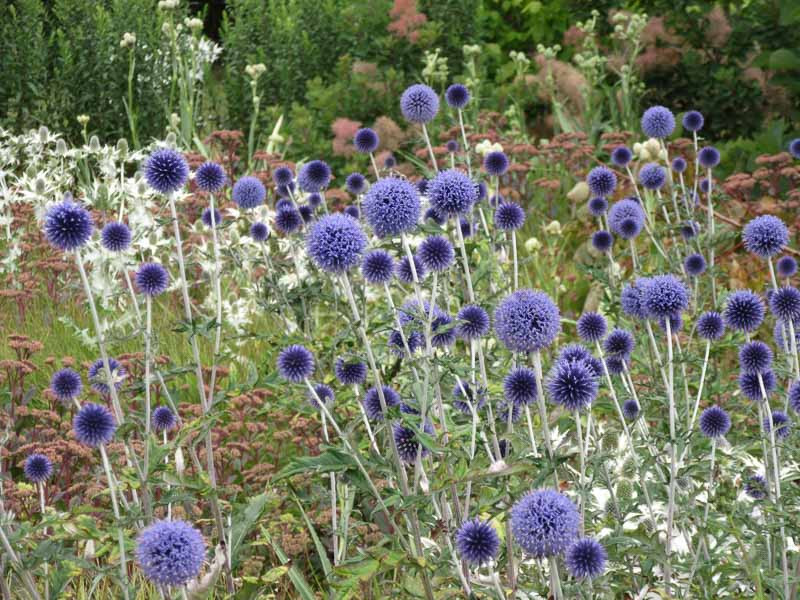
{"points": [[356, 183], [572, 384], [206, 217], [705, 185], [630, 409], [708, 157], [693, 120], [451, 192], [210, 177], [616, 365], [350, 372], [164, 419], [314, 200], [632, 299], [695, 264], [658, 122], [351, 211], [295, 363], [323, 392], [619, 342], [714, 422], [679, 164], [466, 227], [422, 186], [652, 176], [744, 311], [630, 228], [407, 443], [314, 176], [751, 388], [336, 243], [578, 352], [419, 103], [502, 411], [495, 163], [457, 95], [248, 192], [37, 468], [97, 375], [414, 339], [432, 215], [602, 240], [170, 553], [621, 156], [597, 206], [794, 147], [67, 225], [115, 237], [785, 303], [377, 267], [436, 253], [544, 523], [366, 140], [443, 334], [473, 322], [586, 559], [756, 487], [93, 425], [794, 396], [689, 230], [66, 385], [665, 296], [166, 170], [477, 542], [781, 422], [285, 191], [710, 326], [622, 211], [372, 402], [755, 357], [509, 216], [765, 236], [259, 232], [602, 181], [527, 321], [483, 191], [477, 398], [391, 207], [284, 204], [282, 176], [288, 220], [404, 273], [786, 266], [592, 327], [519, 386], [389, 162], [452, 146], [152, 279]]}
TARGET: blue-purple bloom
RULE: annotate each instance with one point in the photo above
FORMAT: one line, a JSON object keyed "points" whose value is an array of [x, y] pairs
{"points": [[248, 192], [443, 333], [210, 177], [372, 402], [756, 487], [794, 148], [115, 237], [572, 384], [288, 220], [695, 264], [164, 419], [544, 523], [602, 181], [477, 542], [658, 122], [509, 216], [451, 192], [474, 397], [322, 391], [366, 140], [404, 272], [432, 215], [282, 176], [519, 386], [527, 321], [206, 217], [350, 372], [97, 375], [314, 176], [66, 384], [619, 342], [377, 267], [781, 422], [591, 327], [336, 243], [602, 240], [794, 396], [708, 157], [451, 146], [679, 164], [355, 183], [457, 95], [586, 559], [621, 156], [391, 207], [632, 299], [665, 296], [710, 326], [652, 176], [785, 303], [786, 266], [714, 422], [170, 553], [765, 236], [37, 468], [630, 409], [436, 253], [407, 442], [314, 200], [259, 231], [495, 163], [295, 363], [623, 214], [693, 120], [67, 225], [750, 385], [152, 279], [597, 206], [166, 170], [744, 311], [419, 103], [93, 425], [474, 322], [755, 357]]}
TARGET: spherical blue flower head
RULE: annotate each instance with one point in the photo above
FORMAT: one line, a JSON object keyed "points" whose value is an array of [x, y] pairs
{"points": [[496, 200], [377, 267], [404, 273], [689, 230], [794, 147], [67, 225], [389, 162], [206, 217], [115, 237], [97, 375], [477, 398], [366, 140], [695, 264], [519, 386], [665, 296], [586, 559], [483, 191], [350, 372], [422, 186], [477, 542], [527, 321], [414, 339], [621, 156], [295, 363], [505, 448], [452, 193], [452, 146], [602, 181], [436, 253], [658, 122], [679, 164], [544, 523], [794, 396], [756, 487], [710, 326], [372, 402], [573, 352], [755, 357], [444, 334], [407, 443], [509, 216], [285, 191], [391, 207], [785, 303], [66, 384], [630, 228], [693, 120], [307, 213], [466, 227], [704, 185], [619, 342], [597, 206], [314, 200], [616, 365], [781, 422], [624, 210], [259, 232], [751, 388], [714, 422], [630, 409], [170, 552], [163, 419], [744, 311], [592, 327], [93, 425], [356, 183], [632, 299], [572, 384], [419, 103], [166, 170], [765, 236], [288, 220], [653, 176], [350, 210], [432, 215], [152, 279], [249, 192], [37, 468], [457, 95], [210, 177], [336, 243], [473, 322], [495, 163], [282, 176], [602, 241], [284, 204], [314, 176], [323, 392], [708, 157], [786, 266]]}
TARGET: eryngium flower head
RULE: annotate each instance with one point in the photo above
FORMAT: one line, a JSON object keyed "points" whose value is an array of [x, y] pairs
{"points": [[755, 357], [652, 176], [314, 176], [451, 192], [98, 378], [170, 552], [708, 157], [66, 384], [336, 243], [259, 232], [744, 311], [519, 386], [93, 425], [372, 402], [282, 175], [407, 443], [693, 120], [288, 220], [249, 192], [355, 183], [785, 303], [621, 156], [623, 211], [630, 409], [586, 559], [210, 177], [658, 122], [509, 216], [391, 206], [67, 225], [714, 422], [295, 363], [544, 523], [602, 241], [679, 164], [377, 267], [710, 326], [152, 279], [502, 411], [419, 103], [366, 140], [404, 272], [601, 181], [572, 384], [597, 206], [495, 163], [115, 237], [457, 95], [166, 170], [695, 264], [322, 391], [473, 322], [477, 542], [632, 299], [350, 372], [591, 327], [755, 486], [750, 385], [665, 296], [206, 217], [765, 236], [436, 253], [527, 321], [37, 468], [781, 423], [619, 342], [164, 419], [786, 266], [466, 227]]}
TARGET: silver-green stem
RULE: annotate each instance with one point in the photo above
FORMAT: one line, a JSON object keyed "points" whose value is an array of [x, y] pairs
{"points": [[430, 148], [217, 282], [582, 480], [537, 366], [555, 580], [673, 460], [465, 261], [123, 564]]}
